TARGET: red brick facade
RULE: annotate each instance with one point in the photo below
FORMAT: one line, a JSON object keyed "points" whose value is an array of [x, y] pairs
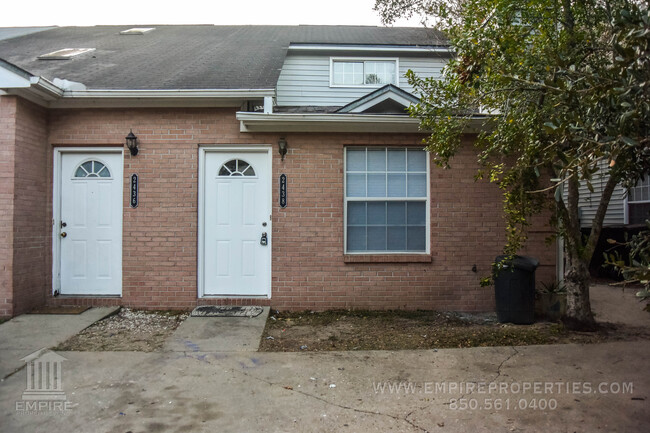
{"points": [[7, 150], [24, 207], [309, 269]]}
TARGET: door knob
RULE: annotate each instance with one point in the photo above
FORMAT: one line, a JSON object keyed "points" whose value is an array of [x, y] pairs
{"points": [[264, 240], [63, 234]]}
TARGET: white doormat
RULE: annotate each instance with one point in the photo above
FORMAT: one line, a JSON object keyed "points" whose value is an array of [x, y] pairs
{"points": [[226, 311]]}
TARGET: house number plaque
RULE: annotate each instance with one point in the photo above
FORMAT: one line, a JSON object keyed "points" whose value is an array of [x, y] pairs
{"points": [[134, 190], [283, 190]]}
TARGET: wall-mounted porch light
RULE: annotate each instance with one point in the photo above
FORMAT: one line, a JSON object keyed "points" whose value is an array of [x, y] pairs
{"points": [[282, 147], [132, 143]]}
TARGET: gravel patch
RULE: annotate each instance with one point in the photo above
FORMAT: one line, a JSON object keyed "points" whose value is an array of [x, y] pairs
{"points": [[128, 330]]}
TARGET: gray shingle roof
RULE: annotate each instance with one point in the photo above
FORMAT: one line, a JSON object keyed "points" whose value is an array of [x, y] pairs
{"points": [[188, 57]]}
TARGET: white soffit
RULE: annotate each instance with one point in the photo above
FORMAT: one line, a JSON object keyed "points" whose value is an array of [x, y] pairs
{"points": [[338, 122], [331, 122]]}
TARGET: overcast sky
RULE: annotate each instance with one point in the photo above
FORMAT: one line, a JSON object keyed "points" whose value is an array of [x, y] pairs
{"points": [[15, 13]]}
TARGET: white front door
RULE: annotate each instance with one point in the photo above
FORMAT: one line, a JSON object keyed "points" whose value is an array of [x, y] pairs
{"points": [[89, 228], [236, 224]]}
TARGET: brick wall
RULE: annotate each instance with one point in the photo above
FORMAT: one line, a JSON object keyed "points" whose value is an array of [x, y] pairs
{"points": [[25, 189], [7, 147], [32, 209], [309, 268], [310, 271]]}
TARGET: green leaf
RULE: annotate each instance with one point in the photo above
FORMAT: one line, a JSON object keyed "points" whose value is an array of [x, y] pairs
{"points": [[551, 126], [629, 141]]}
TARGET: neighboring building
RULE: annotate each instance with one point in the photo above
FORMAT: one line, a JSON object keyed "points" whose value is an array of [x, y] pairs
{"points": [[276, 165], [625, 207], [626, 215]]}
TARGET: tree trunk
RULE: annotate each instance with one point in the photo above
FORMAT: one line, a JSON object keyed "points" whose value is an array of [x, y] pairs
{"points": [[576, 280], [576, 275]]}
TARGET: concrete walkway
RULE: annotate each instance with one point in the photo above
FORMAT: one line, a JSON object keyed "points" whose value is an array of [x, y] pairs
{"points": [[218, 334], [589, 388], [28, 333], [559, 388], [616, 304]]}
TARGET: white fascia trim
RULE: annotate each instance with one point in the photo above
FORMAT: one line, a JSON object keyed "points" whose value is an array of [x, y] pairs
{"points": [[323, 117], [45, 86], [389, 95], [171, 93], [338, 122], [387, 48], [313, 122], [44, 91], [35, 89]]}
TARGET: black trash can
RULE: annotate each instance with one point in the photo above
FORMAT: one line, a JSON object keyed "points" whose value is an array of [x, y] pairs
{"points": [[514, 289]]}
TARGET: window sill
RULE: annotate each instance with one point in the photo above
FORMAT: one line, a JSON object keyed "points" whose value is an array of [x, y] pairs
{"points": [[387, 258]]}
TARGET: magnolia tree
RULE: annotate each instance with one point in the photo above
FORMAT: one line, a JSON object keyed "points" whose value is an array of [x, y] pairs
{"points": [[566, 84]]}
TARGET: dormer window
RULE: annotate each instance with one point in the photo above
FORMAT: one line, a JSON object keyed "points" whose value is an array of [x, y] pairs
{"points": [[348, 72]]}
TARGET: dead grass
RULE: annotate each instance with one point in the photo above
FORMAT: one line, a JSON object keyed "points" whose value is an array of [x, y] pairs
{"points": [[409, 330]]}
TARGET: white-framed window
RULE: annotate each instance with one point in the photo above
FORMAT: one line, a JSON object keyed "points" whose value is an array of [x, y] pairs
{"points": [[386, 200], [638, 202], [92, 169], [236, 167], [359, 72]]}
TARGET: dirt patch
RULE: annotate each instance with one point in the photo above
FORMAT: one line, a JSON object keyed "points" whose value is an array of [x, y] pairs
{"points": [[407, 330], [128, 330]]}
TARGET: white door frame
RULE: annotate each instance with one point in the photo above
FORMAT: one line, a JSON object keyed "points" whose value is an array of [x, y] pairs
{"points": [[56, 207], [203, 150]]}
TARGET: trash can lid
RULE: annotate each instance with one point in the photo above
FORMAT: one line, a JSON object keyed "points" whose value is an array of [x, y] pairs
{"points": [[519, 262]]}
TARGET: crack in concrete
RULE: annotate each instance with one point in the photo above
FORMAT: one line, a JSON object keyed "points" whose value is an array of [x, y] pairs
{"points": [[406, 418], [321, 399], [516, 352], [13, 372], [508, 358]]}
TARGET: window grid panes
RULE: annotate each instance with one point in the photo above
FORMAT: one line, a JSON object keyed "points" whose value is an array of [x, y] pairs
{"points": [[236, 167], [640, 192], [348, 73], [379, 72], [386, 200], [363, 73], [92, 169], [639, 202]]}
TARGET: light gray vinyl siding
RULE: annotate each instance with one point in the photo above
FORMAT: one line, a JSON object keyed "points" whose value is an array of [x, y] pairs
{"points": [[305, 80], [589, 202]]}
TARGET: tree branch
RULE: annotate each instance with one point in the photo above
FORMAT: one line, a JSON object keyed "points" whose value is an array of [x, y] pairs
{"points": [[597, 222], [533, 83], [572, 223], [555, 185]]}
